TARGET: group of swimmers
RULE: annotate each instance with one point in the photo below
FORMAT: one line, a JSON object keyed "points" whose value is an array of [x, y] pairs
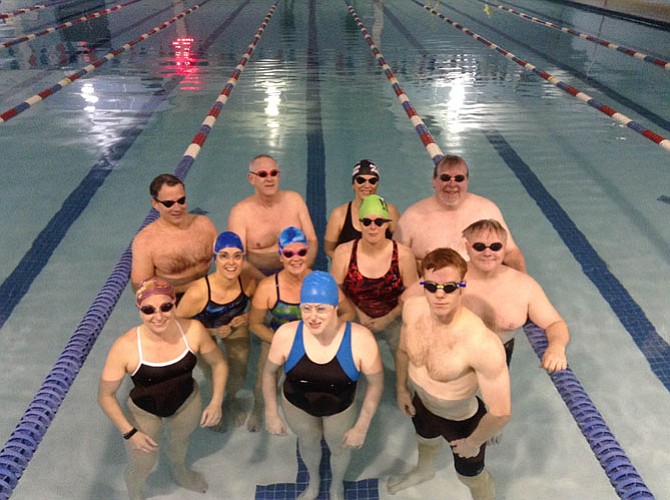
{"points": [[446, 332]]}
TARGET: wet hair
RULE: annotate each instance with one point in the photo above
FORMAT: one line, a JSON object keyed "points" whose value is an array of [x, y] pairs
{"points": [[258, 157], [484, 226], [162, 180], [444, 257], [451, 161]]}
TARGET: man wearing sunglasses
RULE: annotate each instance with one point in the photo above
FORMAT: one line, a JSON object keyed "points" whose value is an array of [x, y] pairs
{"points": [[178, 245], [505, 298], [447, 356], [260, 218], [438, 221]]}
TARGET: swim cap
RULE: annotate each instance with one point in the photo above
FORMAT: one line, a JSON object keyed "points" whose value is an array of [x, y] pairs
{"points": [[364, 167], [373, 204], [319, 287], [153, 286], [227, 239], [290, 235]]}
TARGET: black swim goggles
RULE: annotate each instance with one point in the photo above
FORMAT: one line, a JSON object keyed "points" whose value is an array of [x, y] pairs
{"points": [[446, 177], [149, 310], [480, 247], [362, 180], [169, 203], [379, 222], [450, 287]]}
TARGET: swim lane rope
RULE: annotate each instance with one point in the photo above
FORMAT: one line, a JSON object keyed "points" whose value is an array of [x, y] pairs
{"points": [[29, 432], [40, 96], [419, 126], [82, 19], [587, 99], [610, 45], [18, 12], [619, 469]]}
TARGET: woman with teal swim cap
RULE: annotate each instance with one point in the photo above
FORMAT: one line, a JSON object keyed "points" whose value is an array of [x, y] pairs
{"points": [[323, 357], [220, 302], [278, 296]]}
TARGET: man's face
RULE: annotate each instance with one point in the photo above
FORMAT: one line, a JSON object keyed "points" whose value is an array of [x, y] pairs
{"points": [[482, 256], [443, 303], [264, 176], [449, 191], [171, 195]]}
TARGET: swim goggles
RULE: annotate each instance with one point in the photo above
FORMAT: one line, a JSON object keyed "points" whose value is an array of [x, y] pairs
{"points": [[290, 253], [450, 287], [264, 173], [447, 177], [149, 310], [363, 180], [480, 247], [379, 222], [169, 203]]}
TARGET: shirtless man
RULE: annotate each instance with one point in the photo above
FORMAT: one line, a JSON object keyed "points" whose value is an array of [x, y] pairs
{"points": [[260, 218], [437, 221], [178, 245], [446, 355], [505, 298]]}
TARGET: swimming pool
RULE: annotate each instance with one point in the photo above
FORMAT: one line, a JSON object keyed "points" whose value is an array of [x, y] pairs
{"points": [[574, 187]]}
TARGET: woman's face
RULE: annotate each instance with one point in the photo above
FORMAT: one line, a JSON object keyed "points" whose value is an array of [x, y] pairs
{"points": [[365, 185], [294, 258], [229, 262], [157, 311]]}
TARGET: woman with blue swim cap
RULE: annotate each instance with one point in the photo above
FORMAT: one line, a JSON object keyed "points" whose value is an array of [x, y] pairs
{"points": [[278, 298], [323, 357], [220, 302]]}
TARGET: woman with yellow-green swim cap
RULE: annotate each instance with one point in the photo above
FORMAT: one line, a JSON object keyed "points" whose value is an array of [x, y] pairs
{"points": [[373, 272], [323, 358]]}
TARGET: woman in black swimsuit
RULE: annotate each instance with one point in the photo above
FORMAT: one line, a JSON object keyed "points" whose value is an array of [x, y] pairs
{"points": [[159, 355]]}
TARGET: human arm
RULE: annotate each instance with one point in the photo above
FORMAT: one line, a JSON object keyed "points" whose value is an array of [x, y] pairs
{"points": [[543, 314], [333, 230], [488, 361], [265, 292], [307, 228], [276, 358], [515, 259], [110, 381], [365, 347], [142, 266], [394, 215], [403, 396], [211, 354], [194, 300]]}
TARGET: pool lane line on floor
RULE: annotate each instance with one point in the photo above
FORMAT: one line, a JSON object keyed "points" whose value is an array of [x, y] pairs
{"points": [[315, 195], [612, 459], [29, 432], [40, 96], [654, 348], [657, 61], [574, 92], [82, 19], [420, 128]]}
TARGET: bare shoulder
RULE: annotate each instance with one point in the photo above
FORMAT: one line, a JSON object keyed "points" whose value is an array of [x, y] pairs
{"points": [[204, 222], [145, 235], [343, 250], [338, 213], [414, 308], [264, 292], [292, 197]]}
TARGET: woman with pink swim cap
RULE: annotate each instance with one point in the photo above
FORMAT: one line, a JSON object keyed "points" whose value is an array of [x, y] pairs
{"points": [[159, 356]]}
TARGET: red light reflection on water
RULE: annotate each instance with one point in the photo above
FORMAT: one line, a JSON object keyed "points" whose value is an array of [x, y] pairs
{"points": [[186, 64]]}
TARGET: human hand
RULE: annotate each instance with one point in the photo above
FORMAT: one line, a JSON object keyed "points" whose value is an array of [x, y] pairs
{"points": [[464, 448], [405, 402], [354, 438], [554, 359], [143, 442], [274, 425], [223, 331], [211, 415], [241, 320]]}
